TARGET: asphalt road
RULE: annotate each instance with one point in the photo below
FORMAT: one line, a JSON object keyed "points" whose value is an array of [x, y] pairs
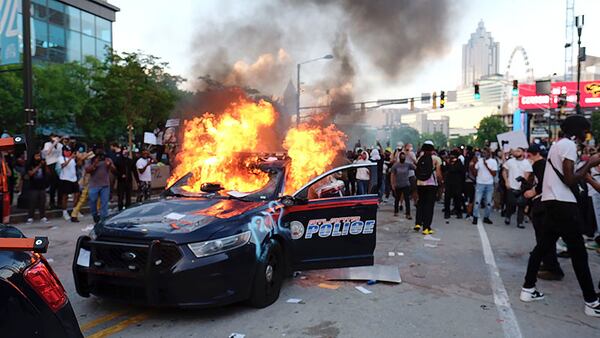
{"points": [[450, 289]]}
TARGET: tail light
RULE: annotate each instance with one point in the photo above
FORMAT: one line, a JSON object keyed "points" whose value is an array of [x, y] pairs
{"points": [[46, 285]]}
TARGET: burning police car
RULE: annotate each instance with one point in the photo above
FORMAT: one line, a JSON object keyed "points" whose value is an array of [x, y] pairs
{"points": [[215, 247]]}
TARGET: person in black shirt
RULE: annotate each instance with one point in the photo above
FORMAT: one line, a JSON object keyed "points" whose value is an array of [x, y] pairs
{"points": [[125, 171], [454, 179], [38, 173], [550, 270]]}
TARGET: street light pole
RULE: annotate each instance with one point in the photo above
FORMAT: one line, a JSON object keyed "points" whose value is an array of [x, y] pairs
{"points": [[28, 79], [579, 23], [298, 90]]}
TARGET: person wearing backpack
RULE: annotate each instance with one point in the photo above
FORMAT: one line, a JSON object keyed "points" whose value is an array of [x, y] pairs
{"points": [[560, 193], [429, 176]]}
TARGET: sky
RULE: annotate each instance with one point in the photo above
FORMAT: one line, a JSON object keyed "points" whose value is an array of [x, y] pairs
{"points": [[168, 29]]}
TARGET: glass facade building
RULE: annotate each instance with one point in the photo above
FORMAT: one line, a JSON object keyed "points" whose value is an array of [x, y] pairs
{"points": [[71, 30]]}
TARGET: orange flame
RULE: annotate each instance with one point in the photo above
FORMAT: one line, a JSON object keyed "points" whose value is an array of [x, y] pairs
{"points": [[211, 147], [313, 150]]}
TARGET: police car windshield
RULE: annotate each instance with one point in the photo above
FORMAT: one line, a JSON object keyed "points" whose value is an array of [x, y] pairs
{"points": [[267, 192]]}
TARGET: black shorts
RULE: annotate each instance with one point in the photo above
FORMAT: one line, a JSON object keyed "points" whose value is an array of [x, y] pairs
{"points": [[68, 187]]}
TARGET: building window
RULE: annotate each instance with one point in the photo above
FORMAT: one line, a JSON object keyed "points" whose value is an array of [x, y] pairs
{"points": [[39, 34], [56, 44], [73, 18], [39, 10], [88, 46], [73, 46], [88, 23], [103, 30], [56, 13]]}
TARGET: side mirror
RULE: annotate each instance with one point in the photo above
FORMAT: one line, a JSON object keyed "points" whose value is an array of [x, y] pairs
{"points": [[287, 200]]}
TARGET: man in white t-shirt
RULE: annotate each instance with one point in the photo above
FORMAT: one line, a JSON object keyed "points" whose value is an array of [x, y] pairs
{"points": [[517, 169], [563, 215], [144, 167], [67, 183], [51, 151], [485, 171]]}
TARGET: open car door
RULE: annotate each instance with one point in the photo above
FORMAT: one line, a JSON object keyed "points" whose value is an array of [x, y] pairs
{"points": [[331, 224]]}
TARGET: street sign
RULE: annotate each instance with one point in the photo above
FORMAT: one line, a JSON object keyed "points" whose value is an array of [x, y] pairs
{"points": [[9, 32]]}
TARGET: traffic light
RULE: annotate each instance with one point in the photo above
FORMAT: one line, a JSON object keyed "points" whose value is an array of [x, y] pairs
{"points": [[442, 99], [412, 104], [476, 94], [515, 90], [434, 100]]}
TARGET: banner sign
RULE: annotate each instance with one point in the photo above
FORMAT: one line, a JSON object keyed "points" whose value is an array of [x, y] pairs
{"points": [[9, 32], [590, 95]]}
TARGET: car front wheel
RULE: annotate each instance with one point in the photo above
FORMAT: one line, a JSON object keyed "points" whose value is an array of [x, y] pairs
{"points": [[269, 276]]}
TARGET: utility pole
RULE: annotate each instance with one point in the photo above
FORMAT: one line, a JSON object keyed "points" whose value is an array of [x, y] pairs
{"points": [[298, 97], [580, 57], [28, 79]]}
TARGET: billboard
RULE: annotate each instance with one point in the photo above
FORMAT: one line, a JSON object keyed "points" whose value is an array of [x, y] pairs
{"points": [[590, 95], [9, 32]]}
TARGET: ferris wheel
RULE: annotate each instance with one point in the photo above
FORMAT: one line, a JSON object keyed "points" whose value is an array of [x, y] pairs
{"points": [[507, 98]]}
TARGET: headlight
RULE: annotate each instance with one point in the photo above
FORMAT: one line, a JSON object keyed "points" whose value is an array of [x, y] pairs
{"points": [[203, 249]]}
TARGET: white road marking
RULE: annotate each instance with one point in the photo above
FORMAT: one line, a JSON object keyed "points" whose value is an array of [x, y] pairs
{"points": [[510, 326]]}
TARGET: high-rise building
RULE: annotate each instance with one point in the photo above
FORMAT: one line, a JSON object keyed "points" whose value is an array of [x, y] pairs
{"points": [[479, 56], [61, 31]]}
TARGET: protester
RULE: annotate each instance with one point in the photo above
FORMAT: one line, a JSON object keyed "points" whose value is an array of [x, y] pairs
{"points": [[550, 268], [125, 168], [51, 152], [363, 175], [99, 183], [485, 171], [401, 184], [378, 179], [560, 197], [429, 176], [37, 174], [67, 174], [159, 132], [84, 158], [144, 168], [517, 172], [469, 187], [453, 179], [412, 159]]}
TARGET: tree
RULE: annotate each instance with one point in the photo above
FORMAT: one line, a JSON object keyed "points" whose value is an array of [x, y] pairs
{"points": [[404, 135], [489, 127], [462, 140], [439, 139], [12, 116], [596, 126]]}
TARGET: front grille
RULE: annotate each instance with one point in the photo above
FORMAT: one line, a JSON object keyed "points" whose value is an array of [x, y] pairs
{"points": [[120, 292], [121, 256]]}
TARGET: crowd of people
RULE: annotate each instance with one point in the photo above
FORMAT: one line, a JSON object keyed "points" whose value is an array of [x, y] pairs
{"points": [[554, 187], [64, 169]]}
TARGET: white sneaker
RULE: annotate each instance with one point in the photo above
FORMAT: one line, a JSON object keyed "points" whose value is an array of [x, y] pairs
{"points": [[66, 215], [592, 309], [530, 295], [44, 220], [29, 220]]}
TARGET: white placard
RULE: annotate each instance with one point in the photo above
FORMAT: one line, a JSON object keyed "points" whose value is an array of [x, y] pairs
{"points": [[363, 290], [83, 259], [172, 123], [512, 140], [149, 138], [175, 216]]}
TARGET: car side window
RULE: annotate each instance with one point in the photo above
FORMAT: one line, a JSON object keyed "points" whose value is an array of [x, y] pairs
{"points": [[346, 182]]}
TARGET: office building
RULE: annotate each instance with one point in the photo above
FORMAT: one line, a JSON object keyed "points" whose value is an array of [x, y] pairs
{"points": [[479, 56]]}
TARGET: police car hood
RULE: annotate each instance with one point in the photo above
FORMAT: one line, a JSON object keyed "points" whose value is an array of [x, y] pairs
{"points": [[180, 220]]}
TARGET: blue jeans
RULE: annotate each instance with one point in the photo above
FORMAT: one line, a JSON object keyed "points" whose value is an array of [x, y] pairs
{"points": [[104, 194], [486, 191], [362, 187]]}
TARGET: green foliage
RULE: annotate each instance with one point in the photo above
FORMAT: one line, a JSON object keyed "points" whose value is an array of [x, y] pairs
{"points": [[489, 127], [462, 140], [439, 139], [404, 135], [596, 126], [100, 98]]}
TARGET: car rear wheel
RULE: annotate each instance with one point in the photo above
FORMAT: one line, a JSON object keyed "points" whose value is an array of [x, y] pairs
{"points": [[269, 276]]}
